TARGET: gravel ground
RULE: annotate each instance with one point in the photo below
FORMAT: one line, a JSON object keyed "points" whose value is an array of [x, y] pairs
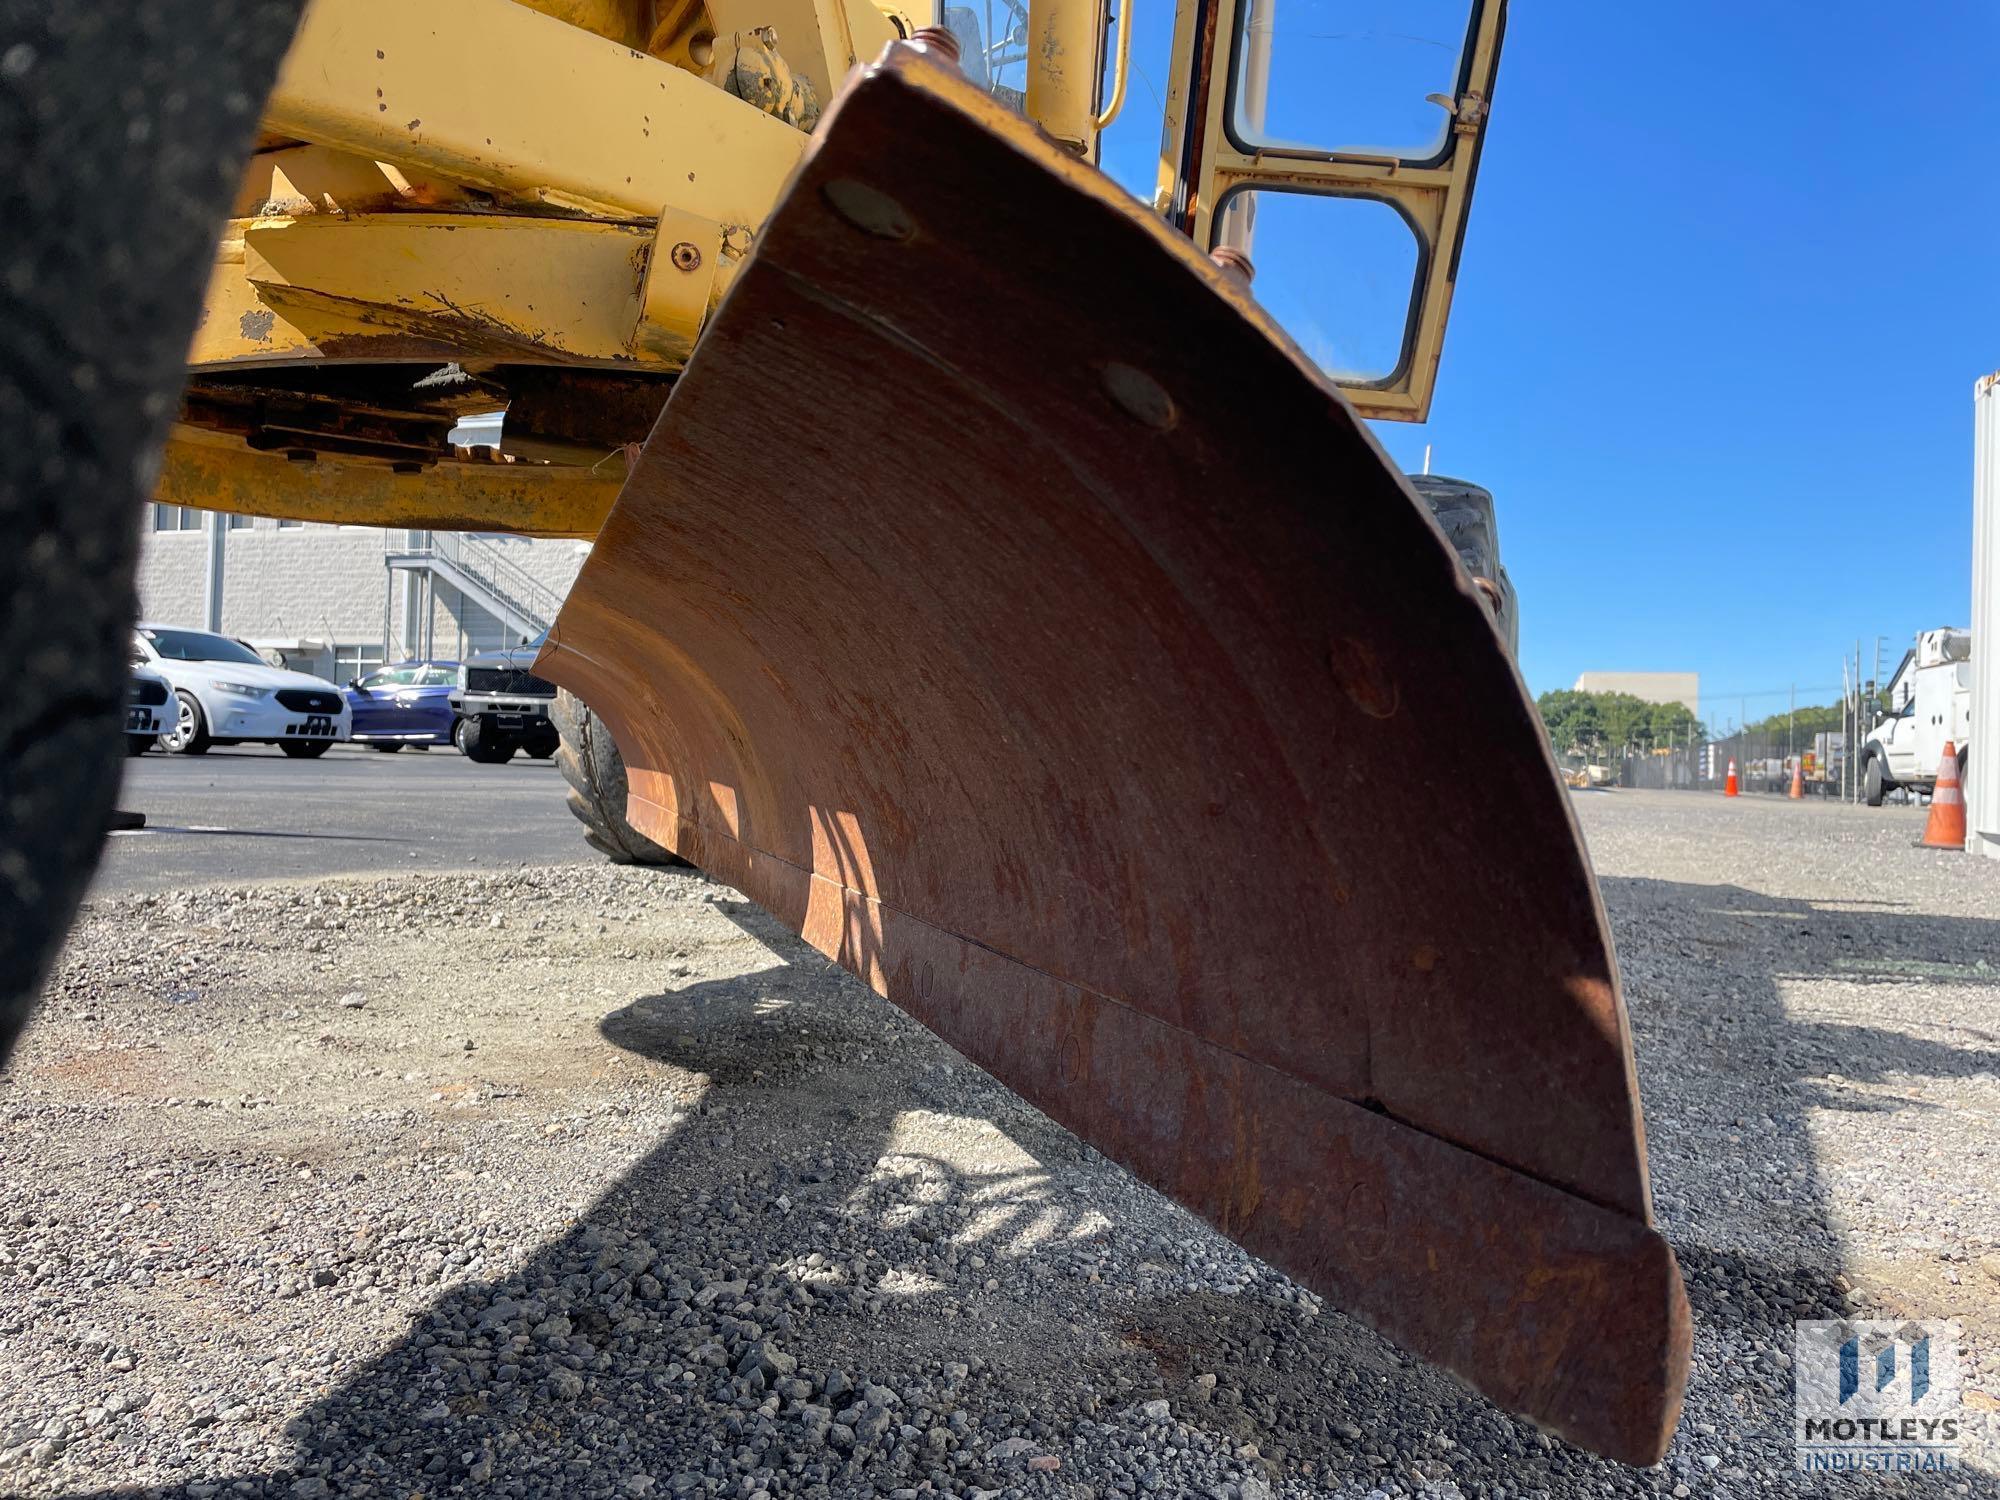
{"points": [[594, 1181]]}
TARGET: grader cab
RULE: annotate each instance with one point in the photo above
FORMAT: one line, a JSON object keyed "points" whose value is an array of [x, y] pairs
{"points": [[987, 582]]}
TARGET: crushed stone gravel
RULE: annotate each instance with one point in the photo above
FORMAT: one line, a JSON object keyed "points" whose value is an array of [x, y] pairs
{"points": [[594, 1181]]}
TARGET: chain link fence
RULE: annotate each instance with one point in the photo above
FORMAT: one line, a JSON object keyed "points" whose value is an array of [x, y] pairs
{"points": [[1764, 764]]}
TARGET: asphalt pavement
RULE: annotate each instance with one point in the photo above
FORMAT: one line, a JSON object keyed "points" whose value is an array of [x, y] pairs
{"points": [[247, 813]]}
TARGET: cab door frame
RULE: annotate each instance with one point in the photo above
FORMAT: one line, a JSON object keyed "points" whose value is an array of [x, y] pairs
{"points": [[1203, 166]]}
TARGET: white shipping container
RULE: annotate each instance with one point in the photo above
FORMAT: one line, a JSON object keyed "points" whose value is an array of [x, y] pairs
{"points": [[1982, 791]]}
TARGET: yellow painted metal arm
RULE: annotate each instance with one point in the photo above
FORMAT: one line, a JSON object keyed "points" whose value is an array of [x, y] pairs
{"points": [[583, 118], [398, 286], [214, 472], [1065, 41]]}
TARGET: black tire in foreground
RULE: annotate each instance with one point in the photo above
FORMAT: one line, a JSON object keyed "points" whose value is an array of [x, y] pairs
{"points": [[595, 772], [107, 234]]}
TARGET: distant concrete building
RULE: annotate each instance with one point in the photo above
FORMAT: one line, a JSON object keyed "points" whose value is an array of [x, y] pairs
{"points": [[1650, 687], [342, 600]]}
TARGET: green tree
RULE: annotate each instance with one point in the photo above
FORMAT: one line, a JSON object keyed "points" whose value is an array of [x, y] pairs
{"points": [[1573, 720], [1807, 722], [1596, 723], [1672, 724]]}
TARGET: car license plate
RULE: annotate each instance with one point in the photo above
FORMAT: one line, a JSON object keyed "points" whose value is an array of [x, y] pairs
{"points": [[318, 727], [139, 720], [510, 721]]}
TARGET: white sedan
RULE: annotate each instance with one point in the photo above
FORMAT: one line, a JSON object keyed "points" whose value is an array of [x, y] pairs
{"points": [[226, 694]]}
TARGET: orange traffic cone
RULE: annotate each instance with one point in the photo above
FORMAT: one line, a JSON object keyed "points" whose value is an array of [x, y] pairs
{"points": [[1946, 829], [1798, 791], [1729, 787]]}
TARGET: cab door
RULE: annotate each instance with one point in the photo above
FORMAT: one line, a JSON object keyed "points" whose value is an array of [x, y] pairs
{"points": [[1899, 742], [1335, 143]]}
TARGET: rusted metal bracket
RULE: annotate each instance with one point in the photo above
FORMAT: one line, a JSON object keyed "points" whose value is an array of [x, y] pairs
{"points": [[1075, 672]]}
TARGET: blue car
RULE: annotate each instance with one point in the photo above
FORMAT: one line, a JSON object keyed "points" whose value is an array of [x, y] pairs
{"points": [[407, 704]]}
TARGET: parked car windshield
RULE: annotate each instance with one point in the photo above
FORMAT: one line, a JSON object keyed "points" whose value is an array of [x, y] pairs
{"points": [[429, 674], [199, 645]]}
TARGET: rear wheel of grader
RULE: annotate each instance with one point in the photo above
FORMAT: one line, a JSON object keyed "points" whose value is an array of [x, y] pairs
{"points": [[1465, 514], [595, 772]]}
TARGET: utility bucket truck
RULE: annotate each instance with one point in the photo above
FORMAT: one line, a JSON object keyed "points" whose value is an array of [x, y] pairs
{"points": [[1930, 703]]}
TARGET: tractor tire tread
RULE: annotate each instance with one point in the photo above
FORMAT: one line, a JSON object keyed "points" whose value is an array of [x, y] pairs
{"points": [[595, 771]]}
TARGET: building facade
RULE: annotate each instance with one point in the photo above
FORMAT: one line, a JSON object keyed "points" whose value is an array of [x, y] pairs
{"points": [[341, 600], [1683, 688]]}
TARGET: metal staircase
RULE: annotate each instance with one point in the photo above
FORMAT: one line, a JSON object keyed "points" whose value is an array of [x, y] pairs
{"points": [[479, 571]]}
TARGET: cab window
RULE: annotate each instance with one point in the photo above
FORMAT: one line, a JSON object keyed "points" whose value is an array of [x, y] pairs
{"points": [[1374, 76]]}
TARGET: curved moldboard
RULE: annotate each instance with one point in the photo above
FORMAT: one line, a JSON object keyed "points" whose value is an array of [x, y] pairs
{"points": [[1007, 605]]}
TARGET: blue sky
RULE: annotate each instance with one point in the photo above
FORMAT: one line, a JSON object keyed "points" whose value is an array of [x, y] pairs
{"points": [[1729, 279]]}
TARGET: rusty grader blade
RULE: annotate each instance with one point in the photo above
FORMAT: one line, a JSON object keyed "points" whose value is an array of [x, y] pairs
{"points": [[1006, 604]]}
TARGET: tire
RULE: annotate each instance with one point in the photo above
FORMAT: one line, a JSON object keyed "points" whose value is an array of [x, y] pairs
{"points": [[1465, 513], [189, 736], [137, 745], [480, 745], [595, 772], [133, 219], [388, 749], [305, 749], [1872, 782], [542, 749]]}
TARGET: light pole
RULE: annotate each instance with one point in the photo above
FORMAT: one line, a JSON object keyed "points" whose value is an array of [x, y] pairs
{"points": [[216, 524]]}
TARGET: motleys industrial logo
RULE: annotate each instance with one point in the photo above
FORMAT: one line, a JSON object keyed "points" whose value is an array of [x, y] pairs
{"points": [[1876, 1396]]}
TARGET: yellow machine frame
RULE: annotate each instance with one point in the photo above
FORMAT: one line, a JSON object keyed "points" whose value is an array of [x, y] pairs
{"points": [[572, 184]]}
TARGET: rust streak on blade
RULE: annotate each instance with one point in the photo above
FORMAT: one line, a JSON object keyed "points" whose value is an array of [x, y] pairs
{"points": [[1065, 659]]}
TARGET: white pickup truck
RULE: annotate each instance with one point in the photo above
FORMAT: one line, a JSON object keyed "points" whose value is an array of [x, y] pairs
{"points": [[1931, 702]]}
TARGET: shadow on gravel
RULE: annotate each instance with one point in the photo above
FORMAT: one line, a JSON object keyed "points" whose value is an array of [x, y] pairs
{"points": [[1731, 1078], [1344, 1407], [649, 1338], [649, 1341], [1756, 942]]}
